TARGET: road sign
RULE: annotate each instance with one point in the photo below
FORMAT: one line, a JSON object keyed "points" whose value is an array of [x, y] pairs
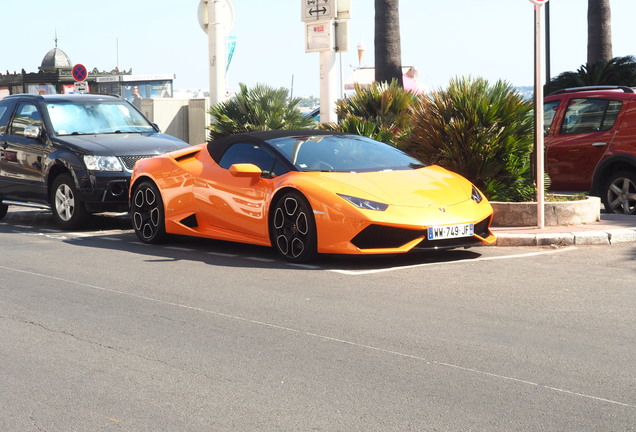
{"points": [[318, 36], [79, 72], [81, 87], [318, 10]]}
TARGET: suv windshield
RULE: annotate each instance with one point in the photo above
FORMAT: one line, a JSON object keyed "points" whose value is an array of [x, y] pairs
{"points": [[96, 117]]}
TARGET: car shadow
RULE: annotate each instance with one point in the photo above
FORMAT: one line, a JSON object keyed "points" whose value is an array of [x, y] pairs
{"points": [[114, 232]]}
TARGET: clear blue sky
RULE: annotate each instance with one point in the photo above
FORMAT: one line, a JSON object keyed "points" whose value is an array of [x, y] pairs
{"points": [[442, 38]]}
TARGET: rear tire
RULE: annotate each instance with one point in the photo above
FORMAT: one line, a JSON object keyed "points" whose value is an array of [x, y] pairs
{"points": [[620, 193], [68, 210], [147, 213]]}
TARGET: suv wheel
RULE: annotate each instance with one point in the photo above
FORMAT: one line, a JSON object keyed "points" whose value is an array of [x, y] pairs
{"points": [[3, 210], [68, 209], [620, 193]]}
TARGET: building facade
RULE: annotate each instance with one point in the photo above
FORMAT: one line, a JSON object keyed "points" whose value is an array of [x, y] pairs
{"points": [[55, 76]]}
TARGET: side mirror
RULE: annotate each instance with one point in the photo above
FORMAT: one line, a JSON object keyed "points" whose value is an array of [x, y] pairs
{"points": [[245, 170], [32, 132]]}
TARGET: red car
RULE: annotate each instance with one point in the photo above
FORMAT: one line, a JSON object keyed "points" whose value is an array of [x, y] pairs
{"points": [[590, 144]]}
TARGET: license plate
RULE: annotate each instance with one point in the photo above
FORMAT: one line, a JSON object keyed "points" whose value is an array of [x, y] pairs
{"points": [[451, 231]]}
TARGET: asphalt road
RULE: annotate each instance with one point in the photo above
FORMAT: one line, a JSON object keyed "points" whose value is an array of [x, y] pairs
{"points": [[100, 332]]}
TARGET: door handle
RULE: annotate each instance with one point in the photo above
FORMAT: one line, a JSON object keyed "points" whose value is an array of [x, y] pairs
{"points": [[599, 144]]}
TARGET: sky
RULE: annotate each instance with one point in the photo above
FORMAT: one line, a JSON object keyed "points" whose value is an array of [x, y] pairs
{"points": [[443, 39]]}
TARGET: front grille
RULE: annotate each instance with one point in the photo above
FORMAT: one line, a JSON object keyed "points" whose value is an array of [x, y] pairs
{"points": [[129, 161], [383, 237]]}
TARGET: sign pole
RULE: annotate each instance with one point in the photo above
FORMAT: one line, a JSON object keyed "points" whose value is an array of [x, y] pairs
{"points": [[538, 101], [328, 91], [321, 34]]}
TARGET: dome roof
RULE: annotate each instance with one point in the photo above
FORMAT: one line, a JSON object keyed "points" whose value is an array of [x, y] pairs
{"points": [[56, 59]]}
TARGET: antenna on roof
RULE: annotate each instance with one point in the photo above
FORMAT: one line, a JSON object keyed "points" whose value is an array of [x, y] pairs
{"points": [[55, 38]]}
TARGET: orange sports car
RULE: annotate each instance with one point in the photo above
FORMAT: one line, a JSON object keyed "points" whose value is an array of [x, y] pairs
{"points": [[306, 192]]}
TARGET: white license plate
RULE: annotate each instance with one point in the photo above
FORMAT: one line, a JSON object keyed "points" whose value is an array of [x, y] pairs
{"points": [[451, 231]]}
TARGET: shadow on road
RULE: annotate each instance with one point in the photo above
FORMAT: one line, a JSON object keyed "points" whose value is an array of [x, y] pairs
{"points": [[114, 232]]}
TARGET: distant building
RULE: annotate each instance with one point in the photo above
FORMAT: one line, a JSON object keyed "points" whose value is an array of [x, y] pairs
{"points": [[55, 76]]}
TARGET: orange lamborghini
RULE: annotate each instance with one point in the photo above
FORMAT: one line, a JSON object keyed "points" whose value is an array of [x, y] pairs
{"points": [[306, 192]]}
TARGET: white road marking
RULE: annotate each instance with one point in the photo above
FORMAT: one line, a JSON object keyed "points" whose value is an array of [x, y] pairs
{"points": [[330, 338], [221, 254], [268, 260], [471, 260]]}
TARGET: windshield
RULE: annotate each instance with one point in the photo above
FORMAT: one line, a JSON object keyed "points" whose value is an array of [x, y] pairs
{"points": [[96, 117], [343, 153]]}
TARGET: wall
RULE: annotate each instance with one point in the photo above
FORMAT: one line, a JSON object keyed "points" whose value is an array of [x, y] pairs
{"points": [[185, 119]]}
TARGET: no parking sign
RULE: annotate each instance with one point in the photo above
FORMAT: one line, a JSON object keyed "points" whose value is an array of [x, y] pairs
{"points": [[79, 72]]}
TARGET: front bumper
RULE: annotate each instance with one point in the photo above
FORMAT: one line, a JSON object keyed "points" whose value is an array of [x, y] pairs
{"points": [[104, 191]]}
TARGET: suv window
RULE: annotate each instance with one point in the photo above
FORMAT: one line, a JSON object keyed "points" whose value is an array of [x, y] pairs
{"points": [[4, 118], [590, 115], [26, 115], [549, 111]]}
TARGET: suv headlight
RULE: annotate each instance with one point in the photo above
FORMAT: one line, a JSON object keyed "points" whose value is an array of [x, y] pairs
{"points": [[102, 163], [365, 203]]}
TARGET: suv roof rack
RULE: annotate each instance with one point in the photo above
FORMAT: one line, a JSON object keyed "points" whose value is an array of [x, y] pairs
{"points": [[591, 88]]}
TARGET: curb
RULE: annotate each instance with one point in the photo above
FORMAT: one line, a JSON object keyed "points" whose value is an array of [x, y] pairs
{"points": [[603, 237]]}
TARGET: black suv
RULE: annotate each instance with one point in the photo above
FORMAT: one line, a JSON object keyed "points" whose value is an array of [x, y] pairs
{"points": [[73, 154]]}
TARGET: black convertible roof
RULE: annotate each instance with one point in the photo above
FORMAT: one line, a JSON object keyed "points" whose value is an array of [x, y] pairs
{"points": [[217, 147]]}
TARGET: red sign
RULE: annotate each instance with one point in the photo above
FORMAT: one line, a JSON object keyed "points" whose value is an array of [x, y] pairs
{"points": [[79, 72]]}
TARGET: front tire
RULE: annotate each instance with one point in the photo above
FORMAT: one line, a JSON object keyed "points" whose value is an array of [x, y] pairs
{"points": [[68, 209], [620, 193], [148, 217], [293, 228]]}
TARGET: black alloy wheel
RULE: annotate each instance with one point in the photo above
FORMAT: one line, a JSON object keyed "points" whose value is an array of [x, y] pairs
{"points": [[68, 210], [147, 213], [620, 193], [293, 228]]}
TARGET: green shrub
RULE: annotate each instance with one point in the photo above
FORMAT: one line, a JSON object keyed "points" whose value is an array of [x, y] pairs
{"points": [[380, 111], [256, 109], [481, 131]]}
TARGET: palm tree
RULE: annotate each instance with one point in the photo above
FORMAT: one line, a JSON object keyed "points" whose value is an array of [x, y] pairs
{"points": [[388, 53], [258, 108], [617, 71], [599, 31], [381, 111]]}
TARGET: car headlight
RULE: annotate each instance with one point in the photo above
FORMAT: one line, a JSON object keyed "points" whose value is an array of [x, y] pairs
{"points": [[476, 195], [102, 163], [365, 203]]}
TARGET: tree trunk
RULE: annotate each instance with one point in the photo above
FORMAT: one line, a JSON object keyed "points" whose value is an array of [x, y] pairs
{"points": [[599, 31], [388, 53]]}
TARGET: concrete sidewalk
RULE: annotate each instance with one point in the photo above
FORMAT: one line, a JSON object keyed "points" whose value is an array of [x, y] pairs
{"points": [[611, 229]]}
